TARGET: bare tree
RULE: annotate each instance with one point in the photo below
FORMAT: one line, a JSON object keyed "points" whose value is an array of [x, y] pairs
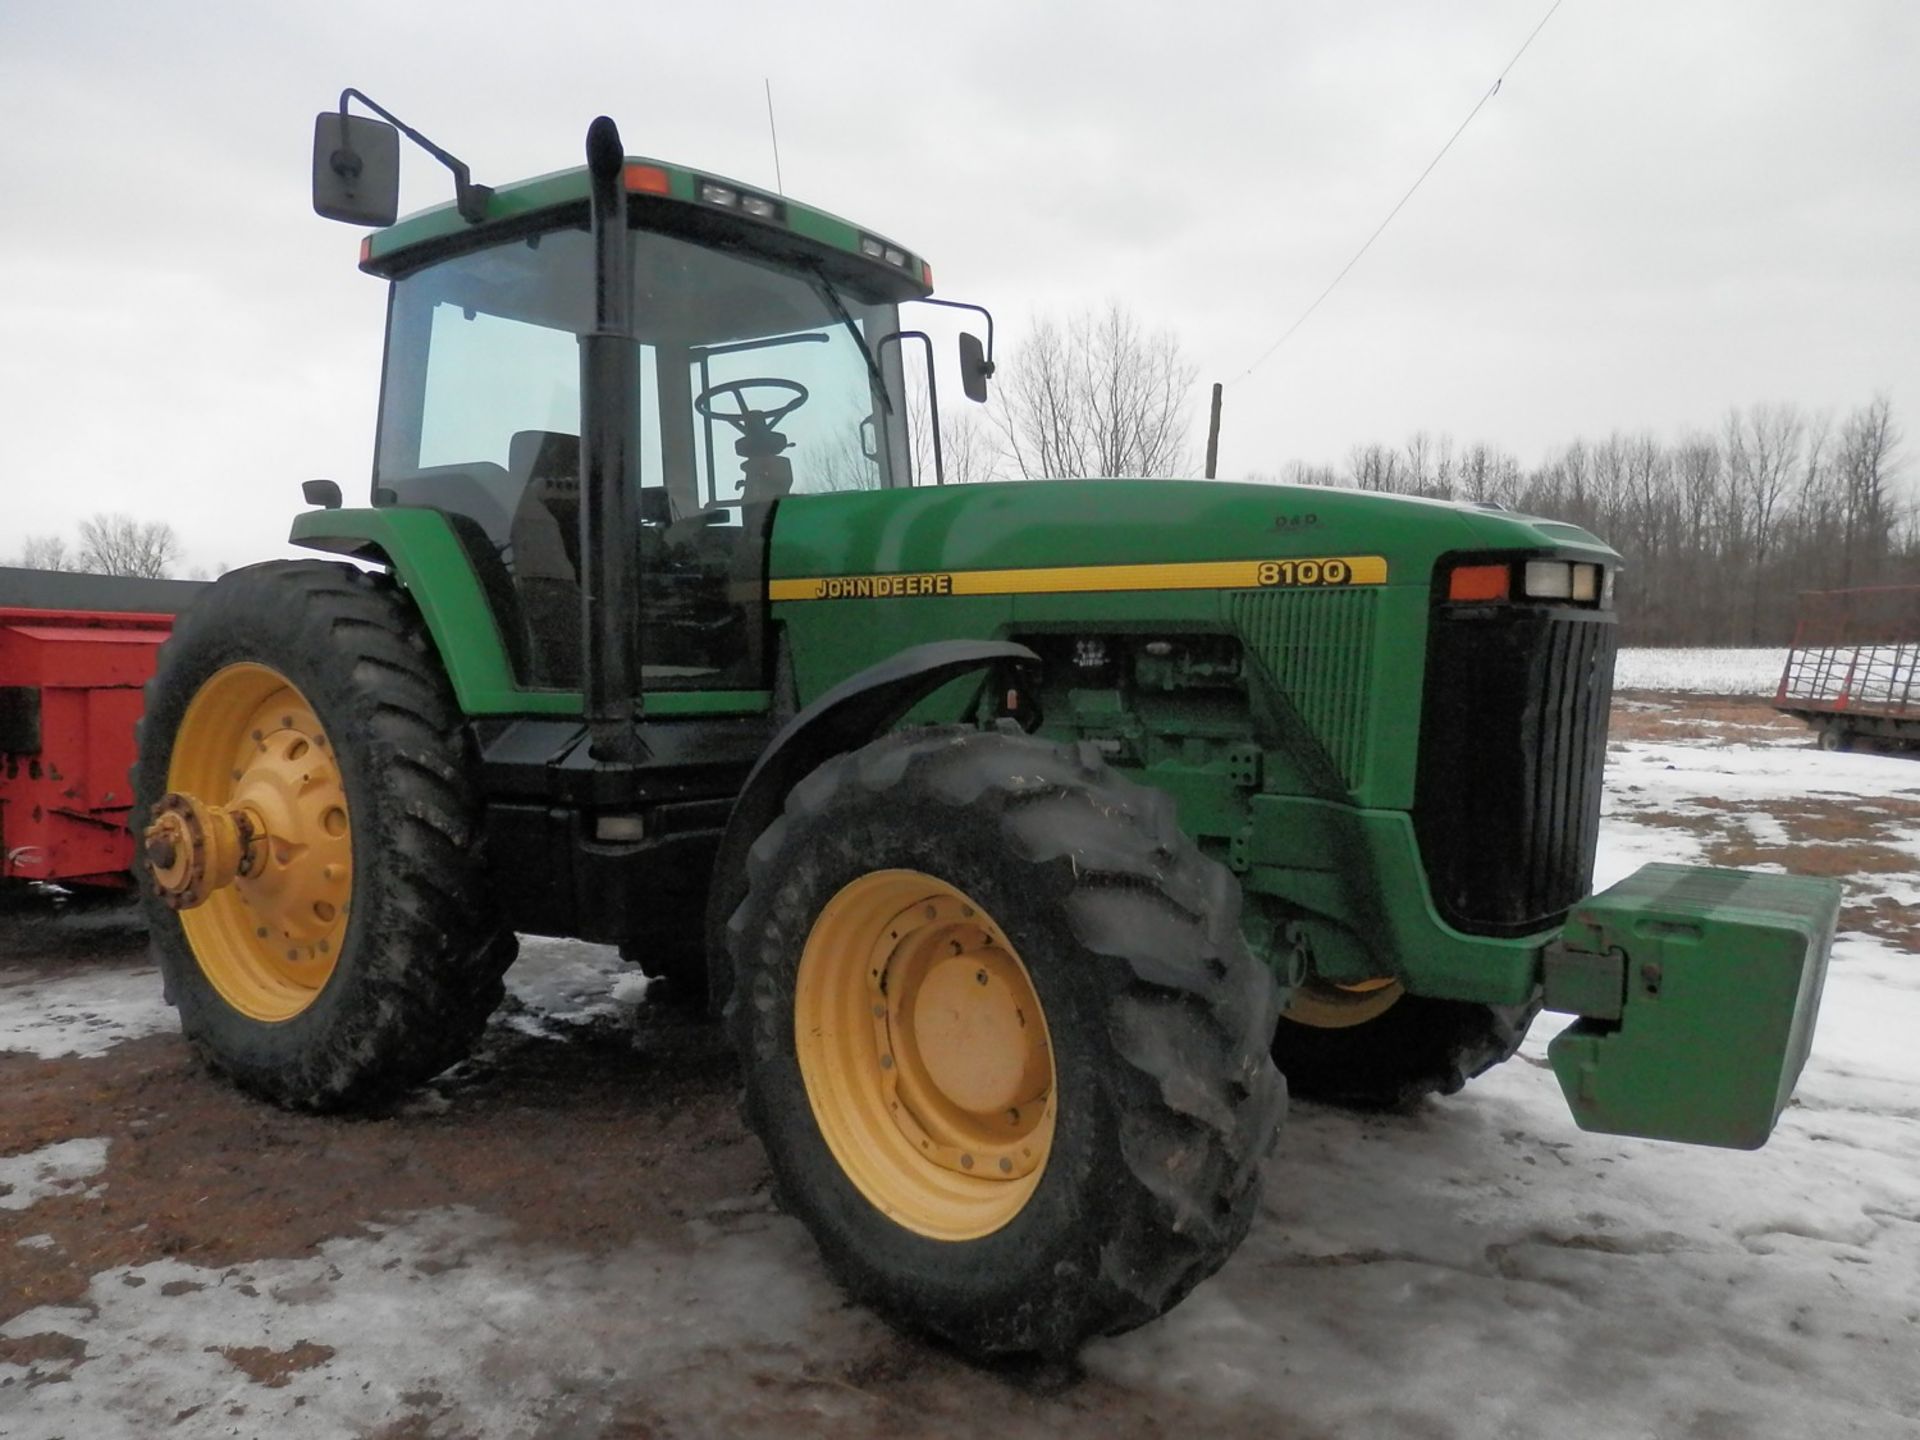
{"points": [[1376, 467], [1763, 450], [1430, 468], [966, 451], [1488, 476], [46, 552], [1865, 463], [1298, 472], [120, 545], [1100, 397]]}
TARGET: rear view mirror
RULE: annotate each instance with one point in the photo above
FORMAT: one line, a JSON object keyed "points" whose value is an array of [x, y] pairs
{"points": [[356, 169], [975, 368]]}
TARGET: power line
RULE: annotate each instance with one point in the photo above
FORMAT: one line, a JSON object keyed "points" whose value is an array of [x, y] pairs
{"points": [[779, 185], [1492, 90]]}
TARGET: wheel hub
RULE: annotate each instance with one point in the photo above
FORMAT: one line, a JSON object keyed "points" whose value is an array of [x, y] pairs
{"points": [[193, 848]]}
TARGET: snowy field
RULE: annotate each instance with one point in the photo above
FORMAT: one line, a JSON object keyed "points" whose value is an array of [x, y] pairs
{"points": [[1474, 1268], [1701, 670]]}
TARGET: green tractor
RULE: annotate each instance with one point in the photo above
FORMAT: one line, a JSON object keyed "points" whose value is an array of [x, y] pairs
{"points": [[1016, 830]]}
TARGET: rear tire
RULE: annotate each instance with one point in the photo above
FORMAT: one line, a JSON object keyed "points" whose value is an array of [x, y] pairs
{"points": [[1836, 738], [1417, 1046], [416, 968], [1162, 1100]]}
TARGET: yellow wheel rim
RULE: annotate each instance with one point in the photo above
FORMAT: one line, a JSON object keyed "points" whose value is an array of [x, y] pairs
{"points": [[1329, 1006], [251, 743], [925, 1054]]}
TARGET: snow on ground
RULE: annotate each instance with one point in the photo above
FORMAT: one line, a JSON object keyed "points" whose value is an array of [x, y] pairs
{"points": [[561, 985], [85, 1011], [1703, 670], [1476, 1267], [57, 1169]]}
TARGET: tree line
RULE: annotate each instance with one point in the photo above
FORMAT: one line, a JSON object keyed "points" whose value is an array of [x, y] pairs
{"points": [[1720, 530]]}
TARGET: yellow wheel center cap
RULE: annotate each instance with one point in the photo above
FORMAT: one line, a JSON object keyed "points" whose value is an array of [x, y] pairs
{"points": [[971, 1034], [964, 1056]]}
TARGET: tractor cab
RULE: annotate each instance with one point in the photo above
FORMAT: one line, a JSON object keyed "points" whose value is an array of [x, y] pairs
{"points": [[759, 372], [760, 357], [756, 378]]}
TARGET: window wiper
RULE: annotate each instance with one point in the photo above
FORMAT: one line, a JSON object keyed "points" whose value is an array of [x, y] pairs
{"points": [[832, 297]]}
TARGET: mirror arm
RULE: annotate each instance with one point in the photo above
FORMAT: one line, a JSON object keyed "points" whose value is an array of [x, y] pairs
{"points": [[470, 199], [933, 394], [978, 310]]}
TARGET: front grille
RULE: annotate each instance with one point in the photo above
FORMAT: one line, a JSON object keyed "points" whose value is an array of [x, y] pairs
{"points": [[1513, 739], [1317, 646]]}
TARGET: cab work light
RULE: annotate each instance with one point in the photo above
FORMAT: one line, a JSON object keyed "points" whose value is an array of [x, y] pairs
{"points": [[732, 197], [875, 248]]}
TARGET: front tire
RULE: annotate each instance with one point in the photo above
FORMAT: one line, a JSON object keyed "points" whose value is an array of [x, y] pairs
{"points": [[1395, 1053], [358, 953], [1001, 1038]]}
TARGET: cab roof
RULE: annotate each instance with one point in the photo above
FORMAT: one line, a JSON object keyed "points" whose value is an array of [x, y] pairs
{"points": [[660, 196]]}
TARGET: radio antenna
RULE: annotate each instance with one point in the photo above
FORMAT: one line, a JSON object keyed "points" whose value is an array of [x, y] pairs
{"points": [[778, 184]]}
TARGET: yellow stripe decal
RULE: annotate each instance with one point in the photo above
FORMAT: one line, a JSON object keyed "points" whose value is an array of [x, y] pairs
{"points": [[1317, 573]]}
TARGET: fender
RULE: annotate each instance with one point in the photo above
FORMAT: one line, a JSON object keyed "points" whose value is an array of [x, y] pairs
{"points": [[419, 546], [844, 718]]}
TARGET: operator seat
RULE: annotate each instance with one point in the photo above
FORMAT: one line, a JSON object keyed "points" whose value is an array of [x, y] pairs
{"points": [[546, 548]]}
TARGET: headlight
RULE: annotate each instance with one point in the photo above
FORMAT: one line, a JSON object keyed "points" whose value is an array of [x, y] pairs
{"points": [[1548, 580]]}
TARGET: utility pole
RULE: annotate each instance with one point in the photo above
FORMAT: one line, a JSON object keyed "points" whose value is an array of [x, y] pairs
{"points": [[1213, 436]]}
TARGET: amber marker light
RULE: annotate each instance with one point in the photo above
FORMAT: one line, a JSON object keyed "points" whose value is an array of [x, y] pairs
{"points": [[1479, 582], [646, 180], [366, 249]]}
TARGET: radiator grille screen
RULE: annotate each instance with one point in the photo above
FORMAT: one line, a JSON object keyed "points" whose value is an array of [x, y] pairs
{"points": [[1317, 646]]}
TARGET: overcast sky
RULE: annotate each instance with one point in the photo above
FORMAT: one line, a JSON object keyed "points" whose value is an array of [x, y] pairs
{"points": [[1668, 209]]}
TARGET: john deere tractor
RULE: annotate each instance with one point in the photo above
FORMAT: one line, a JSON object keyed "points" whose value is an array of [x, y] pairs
{"points": [[1016, 830]]}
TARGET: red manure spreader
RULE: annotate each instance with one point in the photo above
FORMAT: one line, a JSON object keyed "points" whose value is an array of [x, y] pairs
{"points": [[75, 652], [1854, 670]]}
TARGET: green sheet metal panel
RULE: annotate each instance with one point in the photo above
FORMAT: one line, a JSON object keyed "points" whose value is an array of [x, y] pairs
{"points": [[1722, 971]]}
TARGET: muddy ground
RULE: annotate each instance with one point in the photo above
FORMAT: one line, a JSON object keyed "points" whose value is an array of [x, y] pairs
{"points": [[572, 1233]]}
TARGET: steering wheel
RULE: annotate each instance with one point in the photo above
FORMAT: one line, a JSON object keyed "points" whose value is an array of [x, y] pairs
{"points": [[745, 419]]}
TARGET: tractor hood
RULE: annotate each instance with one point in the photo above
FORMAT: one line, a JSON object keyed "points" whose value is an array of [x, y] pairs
{"points": [[1053, 525]]}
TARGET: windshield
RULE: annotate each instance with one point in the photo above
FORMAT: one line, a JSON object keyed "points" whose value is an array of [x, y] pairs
{"points": [[483, 349], [757, 380]]}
